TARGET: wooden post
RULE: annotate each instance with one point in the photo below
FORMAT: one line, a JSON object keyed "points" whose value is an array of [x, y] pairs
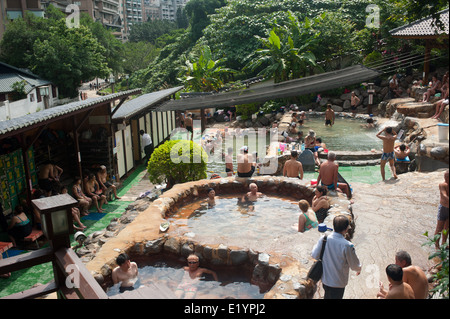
{"points": [[426, 65]]}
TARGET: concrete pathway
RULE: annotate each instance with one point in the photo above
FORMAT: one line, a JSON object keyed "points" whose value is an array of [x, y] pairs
{"points": [[392, 216]]}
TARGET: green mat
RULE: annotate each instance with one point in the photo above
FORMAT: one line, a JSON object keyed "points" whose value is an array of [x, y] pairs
{"points": [[25, 279]]}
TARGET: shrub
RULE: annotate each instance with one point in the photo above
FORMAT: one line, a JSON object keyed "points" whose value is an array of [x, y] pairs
{"points": [[177, 161], [246, 110], [441, 277]]}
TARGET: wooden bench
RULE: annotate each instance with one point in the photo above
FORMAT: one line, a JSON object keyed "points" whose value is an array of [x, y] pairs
{"points": [[34, 236], [4, 246]]}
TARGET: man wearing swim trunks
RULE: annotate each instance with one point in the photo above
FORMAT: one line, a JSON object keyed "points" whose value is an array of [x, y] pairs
{"points": [[328, 175], [442, 218], [245, 163], [388, 139], [329, 116]]}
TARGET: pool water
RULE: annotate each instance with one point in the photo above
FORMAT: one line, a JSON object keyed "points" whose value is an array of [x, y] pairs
{"points": [[233, 283], [345, 135], [228, 218]]}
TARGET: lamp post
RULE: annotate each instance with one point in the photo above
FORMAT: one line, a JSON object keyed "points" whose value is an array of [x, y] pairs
{"points": [[371, 91], [56, 218]]}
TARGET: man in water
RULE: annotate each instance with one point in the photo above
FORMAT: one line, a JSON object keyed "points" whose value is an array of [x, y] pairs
{"points": [[229, 169], [245, 164], [328, 175], [329, 116], [192, 273], [292, 167], [211, 199], [388, 139], [126, 272], [253, 194]]}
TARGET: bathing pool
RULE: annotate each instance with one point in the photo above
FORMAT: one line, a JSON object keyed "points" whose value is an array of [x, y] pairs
{"points": [[232, 219], [167, 270]]}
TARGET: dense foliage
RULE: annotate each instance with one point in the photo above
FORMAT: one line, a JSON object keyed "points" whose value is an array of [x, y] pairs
{"points": [[238, 31]]}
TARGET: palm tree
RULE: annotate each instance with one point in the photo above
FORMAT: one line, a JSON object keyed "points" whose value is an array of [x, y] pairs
{"points": [[287, 53], [205, 75]]}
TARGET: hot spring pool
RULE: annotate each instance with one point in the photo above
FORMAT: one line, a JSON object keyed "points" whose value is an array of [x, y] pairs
{"points": [[228, 219], [345, 135], [168, 271]]}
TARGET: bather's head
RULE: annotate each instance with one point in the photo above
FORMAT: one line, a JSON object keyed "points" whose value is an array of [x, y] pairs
{"points": [[253, 188]]}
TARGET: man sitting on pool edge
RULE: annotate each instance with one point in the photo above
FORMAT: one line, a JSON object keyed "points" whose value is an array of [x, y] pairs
{"points": [[328, 175]]}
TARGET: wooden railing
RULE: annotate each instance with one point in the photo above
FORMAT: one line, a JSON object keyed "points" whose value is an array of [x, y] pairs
{"points": [[72, 279]]}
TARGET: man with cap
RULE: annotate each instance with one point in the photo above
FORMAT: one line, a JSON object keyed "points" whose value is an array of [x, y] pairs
{"points": [[245, 163]]}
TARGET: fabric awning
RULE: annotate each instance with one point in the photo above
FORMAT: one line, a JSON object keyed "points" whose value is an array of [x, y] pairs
{"points": [[311, 84]]}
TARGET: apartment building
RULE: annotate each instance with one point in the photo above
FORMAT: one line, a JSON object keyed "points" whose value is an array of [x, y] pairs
{"points": [[13, 9], [169, 8]]}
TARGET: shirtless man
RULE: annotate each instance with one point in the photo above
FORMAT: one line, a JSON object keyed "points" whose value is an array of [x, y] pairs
{"points": [[47, 177], [245, 164], [292, 167], [401, 151], [102, 179], [229, 169], [253, 194], [442, 220], [189, 124], [412, 275], [126, 272], [192, 273], [397, 288], [388, 150], [328, 175], [329, 116], [93, 191], [354, 101], [211, 199]]}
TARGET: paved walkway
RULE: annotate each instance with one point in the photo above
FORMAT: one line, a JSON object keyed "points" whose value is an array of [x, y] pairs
{"points": [[392, 216]]}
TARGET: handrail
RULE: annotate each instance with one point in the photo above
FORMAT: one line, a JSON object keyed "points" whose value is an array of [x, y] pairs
{"points": [[75, 282]]}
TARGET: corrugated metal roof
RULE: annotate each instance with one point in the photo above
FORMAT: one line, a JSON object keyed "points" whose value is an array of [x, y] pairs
{"points": [[423, 27], [310, 84], [8, 79], [10, 75], [130, 108], [58, 111]]}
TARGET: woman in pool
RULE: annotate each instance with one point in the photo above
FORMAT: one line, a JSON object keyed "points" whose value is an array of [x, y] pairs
{"points": [[307, 219], [320, 203]]}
